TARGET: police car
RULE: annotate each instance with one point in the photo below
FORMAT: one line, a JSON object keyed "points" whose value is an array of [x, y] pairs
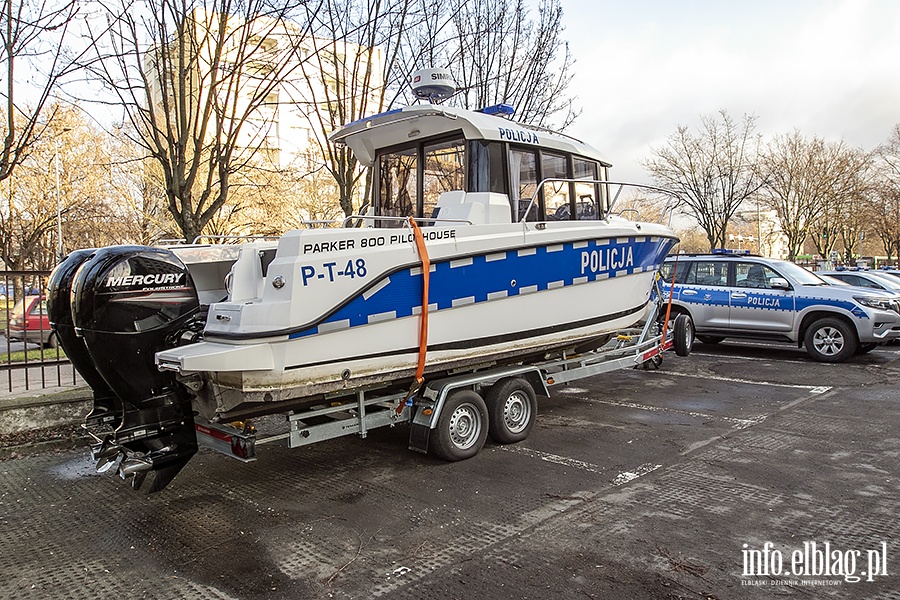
{"points": [[739, 295]]}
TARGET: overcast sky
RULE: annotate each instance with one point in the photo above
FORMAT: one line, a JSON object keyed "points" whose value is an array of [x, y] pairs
{"points": [[826, 67]]}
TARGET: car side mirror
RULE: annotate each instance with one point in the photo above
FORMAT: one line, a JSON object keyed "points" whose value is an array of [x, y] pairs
{"points": [[779, 283]]}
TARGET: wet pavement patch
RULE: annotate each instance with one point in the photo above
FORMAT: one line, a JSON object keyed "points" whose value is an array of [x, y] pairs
{"points": [[635, 484]]}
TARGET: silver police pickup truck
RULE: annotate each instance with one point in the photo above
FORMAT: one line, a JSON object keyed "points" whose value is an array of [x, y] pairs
{"points": [[729, 295]]}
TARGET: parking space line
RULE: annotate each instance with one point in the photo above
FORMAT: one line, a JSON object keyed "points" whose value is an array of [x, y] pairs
{"points": [[712, 354], [739, 423], [815, 389], [552, 458], [620, 479], [626, 476]]}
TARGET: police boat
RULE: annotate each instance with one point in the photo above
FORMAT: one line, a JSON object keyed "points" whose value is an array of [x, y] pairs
{"points": [[488, 242]]}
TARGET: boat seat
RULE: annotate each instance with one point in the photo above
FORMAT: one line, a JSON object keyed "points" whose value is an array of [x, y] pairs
{"points": [[477, 208]]}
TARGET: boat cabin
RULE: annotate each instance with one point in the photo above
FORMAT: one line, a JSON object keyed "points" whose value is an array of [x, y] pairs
{"points": [[420, 153]]}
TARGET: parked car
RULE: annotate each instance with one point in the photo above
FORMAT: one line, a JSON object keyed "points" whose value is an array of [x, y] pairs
{"points": [[876, 280], [28, 322], [893, 274], [728, 295]]}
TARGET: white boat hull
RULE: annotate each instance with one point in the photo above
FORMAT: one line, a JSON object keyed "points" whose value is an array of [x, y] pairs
{"points": [[497, 293]]}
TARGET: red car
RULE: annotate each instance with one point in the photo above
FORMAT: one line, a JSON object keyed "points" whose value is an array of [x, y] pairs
{"points": [[28, 321]]}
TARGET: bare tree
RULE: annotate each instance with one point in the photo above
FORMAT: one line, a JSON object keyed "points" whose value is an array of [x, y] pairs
{"points": [[803, 177], [499, 54], [199, 82], [61, 187], [886, 213], [34, 35], [712, 172], [825, 228], [495, 50], [363, 54]]}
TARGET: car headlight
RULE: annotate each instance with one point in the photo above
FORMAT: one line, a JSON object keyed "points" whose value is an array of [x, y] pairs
{"points": [[874, 302]]}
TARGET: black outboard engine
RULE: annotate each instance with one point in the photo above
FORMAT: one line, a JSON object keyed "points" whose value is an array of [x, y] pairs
{"points": [[107, 406], [129, 302]]}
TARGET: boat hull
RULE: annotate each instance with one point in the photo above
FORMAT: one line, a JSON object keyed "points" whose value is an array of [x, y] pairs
{"points": [[492, 299]]}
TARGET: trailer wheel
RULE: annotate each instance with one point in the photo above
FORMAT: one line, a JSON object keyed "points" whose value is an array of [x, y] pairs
{"points": [[462, 427], [683, 333], [512, 406]]}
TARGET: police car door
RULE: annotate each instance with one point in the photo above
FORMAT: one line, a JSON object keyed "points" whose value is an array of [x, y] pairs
{"points": [[755, 305], [705, 293]]}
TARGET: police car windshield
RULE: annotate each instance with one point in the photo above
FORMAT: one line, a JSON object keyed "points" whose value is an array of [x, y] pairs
{"points": [[800, 275]]}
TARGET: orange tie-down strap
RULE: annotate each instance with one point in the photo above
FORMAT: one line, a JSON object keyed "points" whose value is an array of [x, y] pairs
{"points": [[423, 322], [669, 304]]}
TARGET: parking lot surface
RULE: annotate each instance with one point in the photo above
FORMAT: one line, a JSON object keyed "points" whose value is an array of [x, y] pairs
{"points": [[685, 482]]}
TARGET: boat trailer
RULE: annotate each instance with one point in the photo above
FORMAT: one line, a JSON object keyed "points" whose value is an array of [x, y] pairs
{"points": [[451, 416]]}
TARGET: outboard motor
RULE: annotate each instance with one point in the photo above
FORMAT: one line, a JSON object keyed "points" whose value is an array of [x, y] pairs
{"points": [[107, 406], [129, 302]]}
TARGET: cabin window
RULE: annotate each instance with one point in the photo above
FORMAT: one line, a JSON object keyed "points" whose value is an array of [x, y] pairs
{"points": [[523, 171], [556, 193], [412, 178], [398, 181], [444, 171], [587, 204], [486, 173]]}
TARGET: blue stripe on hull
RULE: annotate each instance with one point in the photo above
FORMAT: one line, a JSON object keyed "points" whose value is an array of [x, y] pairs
{"points": [[497, 275]]}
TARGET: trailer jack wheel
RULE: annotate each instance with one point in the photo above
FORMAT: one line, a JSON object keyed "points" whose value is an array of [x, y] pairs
{"points": [[462, 427], [683, 334], [652, 363]]}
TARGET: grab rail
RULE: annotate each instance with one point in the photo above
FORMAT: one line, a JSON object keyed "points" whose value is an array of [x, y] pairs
{"points": [[621, 185]]}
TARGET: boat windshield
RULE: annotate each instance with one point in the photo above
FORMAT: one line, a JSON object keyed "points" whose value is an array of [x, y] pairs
{"points": [[411, 178]]}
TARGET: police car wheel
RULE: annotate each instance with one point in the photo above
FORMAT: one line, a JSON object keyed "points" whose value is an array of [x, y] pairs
{"points": [[830, 340]]}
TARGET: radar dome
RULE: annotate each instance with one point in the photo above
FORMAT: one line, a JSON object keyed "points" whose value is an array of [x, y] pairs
{"points": [[433, 84]]}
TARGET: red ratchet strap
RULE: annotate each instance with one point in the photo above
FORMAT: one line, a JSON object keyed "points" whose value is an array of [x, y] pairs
{"points": [[423, 322], [669, 304]]}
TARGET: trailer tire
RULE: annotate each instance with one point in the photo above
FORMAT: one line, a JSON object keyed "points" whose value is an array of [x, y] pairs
{"points": [[512, 406], [683, 335], [462, 427]]}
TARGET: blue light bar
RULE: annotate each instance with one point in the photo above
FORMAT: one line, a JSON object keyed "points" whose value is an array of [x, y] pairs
{"points": [[727, 251], [499, 109]]}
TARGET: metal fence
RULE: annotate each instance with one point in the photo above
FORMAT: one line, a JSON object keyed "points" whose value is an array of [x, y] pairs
{"points": [[30, 358]]}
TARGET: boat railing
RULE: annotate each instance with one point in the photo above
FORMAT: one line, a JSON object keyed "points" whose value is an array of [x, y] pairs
{"points": [[232, 238], [666, 215], [403, 219]]}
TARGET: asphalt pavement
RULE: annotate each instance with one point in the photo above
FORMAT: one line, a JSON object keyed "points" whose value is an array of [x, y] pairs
{"points": [[741, 471]]}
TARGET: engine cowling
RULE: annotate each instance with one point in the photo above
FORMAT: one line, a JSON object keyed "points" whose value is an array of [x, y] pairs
{"points": [[127, 304], [107, 406]]}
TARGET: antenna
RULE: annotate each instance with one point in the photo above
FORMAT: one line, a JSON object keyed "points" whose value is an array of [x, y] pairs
{"points": [[433, 85]]}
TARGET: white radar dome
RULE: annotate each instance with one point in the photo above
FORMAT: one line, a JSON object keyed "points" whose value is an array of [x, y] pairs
{"points": [[433, 84]]}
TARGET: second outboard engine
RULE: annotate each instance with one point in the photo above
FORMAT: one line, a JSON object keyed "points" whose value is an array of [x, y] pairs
{"points": [[107, 406], [129, 302]]}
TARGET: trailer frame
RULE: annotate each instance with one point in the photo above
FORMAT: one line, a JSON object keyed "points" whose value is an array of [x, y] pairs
{"points": [[365, 409]]}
